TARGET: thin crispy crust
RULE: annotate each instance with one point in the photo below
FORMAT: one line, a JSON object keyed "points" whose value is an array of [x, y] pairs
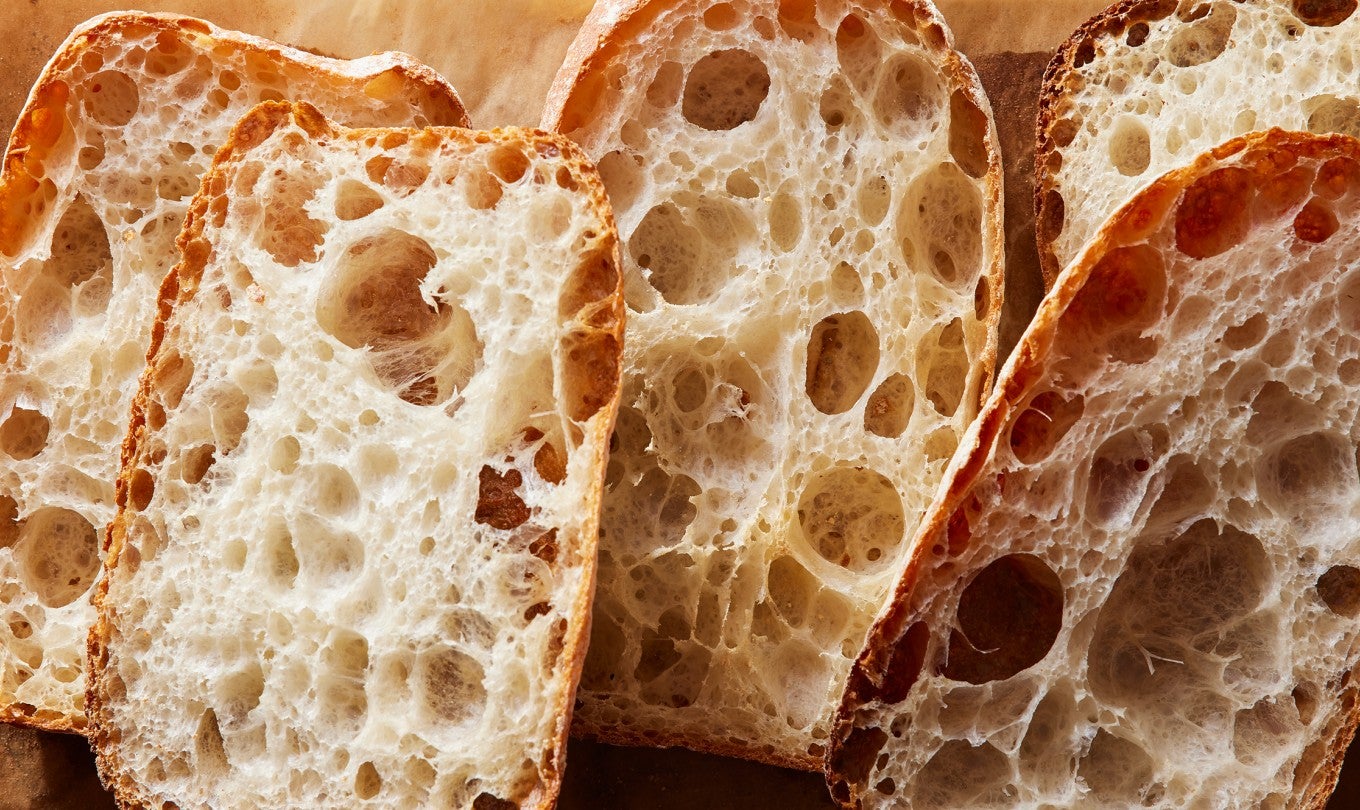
{"points": [[574, 96], [182, 283], [1060, 78], [42, 122], [868, 681]]}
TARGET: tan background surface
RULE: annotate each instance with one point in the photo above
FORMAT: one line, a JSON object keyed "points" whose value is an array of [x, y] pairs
{"points": [[501, 55]]}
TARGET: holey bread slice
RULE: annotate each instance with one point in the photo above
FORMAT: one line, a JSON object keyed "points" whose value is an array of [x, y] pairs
{"points": [[1140, 584], [354, 551], [1147, 85], [97, 178], [809, 194]]}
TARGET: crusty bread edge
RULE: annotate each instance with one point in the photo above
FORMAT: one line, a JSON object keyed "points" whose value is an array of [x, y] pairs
{"points": [[1060, 79], [1022, 371], [182, 283], [47, 102], [611, 22]]}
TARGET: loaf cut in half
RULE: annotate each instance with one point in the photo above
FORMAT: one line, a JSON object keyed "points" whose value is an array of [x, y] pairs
{"points": [[354, 551], [1140, 584], [809, 195], [97, 177], [1148, 85]]}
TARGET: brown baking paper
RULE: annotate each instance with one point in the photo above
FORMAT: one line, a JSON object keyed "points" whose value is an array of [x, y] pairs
{"points": [[501, 56]]}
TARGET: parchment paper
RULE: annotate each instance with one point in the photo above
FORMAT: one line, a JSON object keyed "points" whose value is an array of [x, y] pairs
{"points": [[501, 56]]}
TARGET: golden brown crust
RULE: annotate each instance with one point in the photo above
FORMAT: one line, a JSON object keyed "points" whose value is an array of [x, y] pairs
{"points": [[1261, 154], [579, 90], [180, 285], [1060, 79]]}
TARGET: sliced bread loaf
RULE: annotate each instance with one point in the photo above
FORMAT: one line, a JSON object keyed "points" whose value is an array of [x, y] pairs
{"points": [[1140, 584], [1147, 85], [354, 552], [809, 193], [97, 178]]}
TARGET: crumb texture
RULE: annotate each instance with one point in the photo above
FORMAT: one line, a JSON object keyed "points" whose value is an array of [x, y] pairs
{"points": [[1142, 588], [98, 176], [808, 197], [412, 402], [1154, 83]]}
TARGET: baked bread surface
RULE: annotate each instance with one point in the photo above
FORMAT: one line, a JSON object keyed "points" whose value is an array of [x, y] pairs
{"points": [[354, 552], [808, 195], [1139, 584], [97, 178]]}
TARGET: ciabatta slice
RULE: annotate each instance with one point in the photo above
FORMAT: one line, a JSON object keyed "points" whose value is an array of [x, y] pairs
{"points": [[1147, 85], [810, 198], [1140, 583], [354, 552], [97, 178]]}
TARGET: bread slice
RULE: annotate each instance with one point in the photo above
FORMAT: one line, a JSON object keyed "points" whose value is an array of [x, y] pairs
{"points": [[354, 552], [97, 178], [809, 194], [1147, 85], [1140, 582]]}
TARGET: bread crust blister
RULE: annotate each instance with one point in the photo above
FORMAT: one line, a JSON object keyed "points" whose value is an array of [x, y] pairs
{"points": [[97, 176], [809, 195], [1138, 585], [402, 346], [1146, 85]]}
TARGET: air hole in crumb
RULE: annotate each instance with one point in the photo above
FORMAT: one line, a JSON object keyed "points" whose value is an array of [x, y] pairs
{"points": [[940, 226], [686, 254], [1170, 616], [356, 200], [1324, 13], [1315, 222], [969, 131], [889, 407], [1120, 474], [58, 555], [842, 356], [665, 88], [326, 553], [741, 184], [1339, 588], [908, 95], [197, 462], [943, 357], [288, 232], [280, 554], [1039, 428], [798, 19], [721, 17], [1117, 771], [849, 514], [1327, 114], [509, 163], [24, 434], [1130, 147], [1248, 333], [111, 98], [210, 754], [421, 342], [1307, 474], [141, 488], [1008, 618], [1214, 213], [451, 685], [725, 89], [961, 775], [1205, 39], [499, 504], [367, 782]]}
